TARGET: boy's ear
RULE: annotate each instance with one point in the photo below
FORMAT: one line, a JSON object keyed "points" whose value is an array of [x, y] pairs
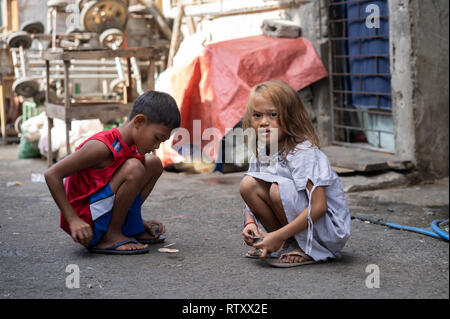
{"points": [[140, 119]]}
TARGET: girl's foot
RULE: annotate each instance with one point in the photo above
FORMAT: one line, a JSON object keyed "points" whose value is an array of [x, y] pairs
{"points": [[253, 253], [293, 258]]}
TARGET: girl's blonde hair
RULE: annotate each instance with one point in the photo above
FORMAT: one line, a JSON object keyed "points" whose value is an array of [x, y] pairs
{"points": [[293, 116]]}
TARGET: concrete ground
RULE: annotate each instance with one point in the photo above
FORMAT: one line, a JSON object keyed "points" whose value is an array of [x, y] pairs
{"points": [[202, 214]]}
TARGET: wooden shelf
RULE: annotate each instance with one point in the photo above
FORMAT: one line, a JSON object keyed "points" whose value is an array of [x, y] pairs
{"points": [[104, 110], [154, 52]]}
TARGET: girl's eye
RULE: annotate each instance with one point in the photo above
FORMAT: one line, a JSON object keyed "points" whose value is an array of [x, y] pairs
{"points": [[273, 114], [256, 115]]}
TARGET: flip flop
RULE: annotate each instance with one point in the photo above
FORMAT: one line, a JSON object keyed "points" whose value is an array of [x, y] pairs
{"points": [[276, 254], [258, 252], [158, 240], [306, 260], [111, 250]]}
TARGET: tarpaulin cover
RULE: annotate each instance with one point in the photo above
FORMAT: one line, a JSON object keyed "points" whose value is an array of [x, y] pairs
{"points": [[215, 86]]}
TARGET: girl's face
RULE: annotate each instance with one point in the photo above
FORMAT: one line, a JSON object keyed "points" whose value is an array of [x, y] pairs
{"points": [[265, 120]]}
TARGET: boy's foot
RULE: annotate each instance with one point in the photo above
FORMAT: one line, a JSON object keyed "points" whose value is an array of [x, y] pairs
{"points": [[152, 234], [131, 243], [128, 246]]}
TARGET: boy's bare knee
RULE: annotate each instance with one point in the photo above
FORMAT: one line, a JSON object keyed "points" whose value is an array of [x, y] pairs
{"points": [[133, 168], [153, 165]]}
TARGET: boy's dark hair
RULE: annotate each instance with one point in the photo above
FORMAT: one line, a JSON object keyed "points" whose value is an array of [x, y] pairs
{"points": [[158, 107]]}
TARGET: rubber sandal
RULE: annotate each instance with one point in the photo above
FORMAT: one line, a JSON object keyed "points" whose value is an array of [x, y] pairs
{"points": [[257, 254], [149, 241], [111, 250], [306, 260], [276, 254], [158, 240]]}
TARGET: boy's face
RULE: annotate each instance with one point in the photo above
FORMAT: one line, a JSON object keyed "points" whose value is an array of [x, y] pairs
{"points": [[148, 136]]}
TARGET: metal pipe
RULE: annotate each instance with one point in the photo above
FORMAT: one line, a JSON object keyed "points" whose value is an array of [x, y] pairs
{"points": [[22, 59], [37, 61], [15, 64], [137, 76]]}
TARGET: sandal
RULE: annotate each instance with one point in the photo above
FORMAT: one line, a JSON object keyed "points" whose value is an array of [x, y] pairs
{"points": [[256, 253], [297, 252], [253, 253]]}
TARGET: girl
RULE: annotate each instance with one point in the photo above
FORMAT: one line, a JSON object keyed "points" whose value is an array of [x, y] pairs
{"points": [[293, 191]]}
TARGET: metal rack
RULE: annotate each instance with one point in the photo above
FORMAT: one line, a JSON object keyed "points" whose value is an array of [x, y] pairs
{"points": [[348, 120]]}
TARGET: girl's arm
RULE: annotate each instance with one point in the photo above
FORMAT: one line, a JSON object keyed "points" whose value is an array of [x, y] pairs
{"points": [[92, 154], [248, 217], [274, 240], [251, 228], [318, 209]]}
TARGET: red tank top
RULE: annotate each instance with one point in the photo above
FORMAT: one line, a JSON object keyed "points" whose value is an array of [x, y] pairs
{"points": [[81, 185]]}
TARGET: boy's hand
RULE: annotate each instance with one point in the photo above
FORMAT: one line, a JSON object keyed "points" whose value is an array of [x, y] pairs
{"points": [[81, 231], [271, 242], [250, 231], [160, 228]]}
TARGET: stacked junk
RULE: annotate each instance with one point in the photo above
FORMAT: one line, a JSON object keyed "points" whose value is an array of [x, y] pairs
{"points": [[89, 26], [96, 25]]}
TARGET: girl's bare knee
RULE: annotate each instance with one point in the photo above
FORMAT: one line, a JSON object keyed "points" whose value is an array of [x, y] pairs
{"points": [[274, 193], [247, 185]]}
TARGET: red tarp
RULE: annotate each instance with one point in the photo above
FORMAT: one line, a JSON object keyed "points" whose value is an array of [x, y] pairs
{"points": [[215, 86]]}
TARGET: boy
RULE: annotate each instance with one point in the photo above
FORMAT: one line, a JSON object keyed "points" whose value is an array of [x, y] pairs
{"points": [[110, 175]]}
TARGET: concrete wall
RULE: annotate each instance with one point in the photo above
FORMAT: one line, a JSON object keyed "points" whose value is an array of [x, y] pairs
{"points": [[420, 86], [431, 113], [312, 18]]}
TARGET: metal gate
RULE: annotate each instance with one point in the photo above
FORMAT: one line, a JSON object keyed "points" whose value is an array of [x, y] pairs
{"points": [[359, 74]]}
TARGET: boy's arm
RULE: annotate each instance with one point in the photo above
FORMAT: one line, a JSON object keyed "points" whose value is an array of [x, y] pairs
{"points": [[92, 154]]}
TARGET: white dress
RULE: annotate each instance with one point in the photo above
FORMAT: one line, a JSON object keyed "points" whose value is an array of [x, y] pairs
{"points": [[326, 237]]}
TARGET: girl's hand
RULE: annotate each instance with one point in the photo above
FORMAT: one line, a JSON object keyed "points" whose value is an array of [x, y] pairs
{"points": [[271, 242], [249, 232]]}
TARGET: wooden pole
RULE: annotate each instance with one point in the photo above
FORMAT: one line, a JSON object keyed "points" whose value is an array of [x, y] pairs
{"points": [[3, 116], [176, 34], [13, 15], [151, 75], [67, 103], [129, 85], [49, 119], [159, 18]]}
